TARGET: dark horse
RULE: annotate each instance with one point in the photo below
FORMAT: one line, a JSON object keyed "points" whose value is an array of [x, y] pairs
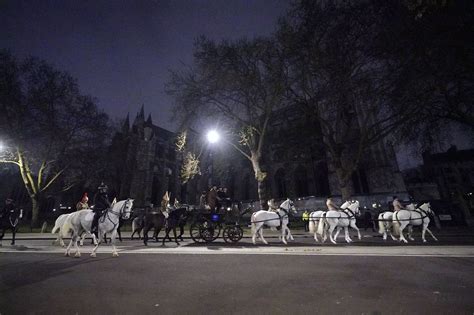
{"points": [[176, 218], [157, 220], [9, 221]]}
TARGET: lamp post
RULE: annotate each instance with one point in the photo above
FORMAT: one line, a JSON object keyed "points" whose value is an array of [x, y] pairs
{"points": [[212, 137]]}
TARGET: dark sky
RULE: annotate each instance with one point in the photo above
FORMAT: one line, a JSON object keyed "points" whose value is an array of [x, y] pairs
{"points": [[120, 51]]}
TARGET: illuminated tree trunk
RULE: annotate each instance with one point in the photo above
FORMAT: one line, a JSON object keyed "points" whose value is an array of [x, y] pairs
{"points": [[261, 178]]}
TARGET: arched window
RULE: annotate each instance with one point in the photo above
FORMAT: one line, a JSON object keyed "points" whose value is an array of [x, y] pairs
{"points": [[301, 181], [280, 183]]}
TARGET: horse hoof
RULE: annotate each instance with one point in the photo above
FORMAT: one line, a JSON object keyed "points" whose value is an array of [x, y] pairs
{"points": [[93, 255], [77, 255], [115, 254]]}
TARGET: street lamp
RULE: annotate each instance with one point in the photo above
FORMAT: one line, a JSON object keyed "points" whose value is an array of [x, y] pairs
{"points": [[213, 136]]}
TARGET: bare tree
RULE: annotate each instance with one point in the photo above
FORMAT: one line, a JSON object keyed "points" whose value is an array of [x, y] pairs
{"points": [[240, 84], [51, 130], [336, 70]]}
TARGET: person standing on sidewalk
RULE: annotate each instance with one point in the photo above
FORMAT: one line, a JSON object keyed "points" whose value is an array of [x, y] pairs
{"points": [[305, 219]]}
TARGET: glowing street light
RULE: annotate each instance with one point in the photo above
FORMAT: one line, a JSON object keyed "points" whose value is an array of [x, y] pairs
{"points": [[213, 136]]}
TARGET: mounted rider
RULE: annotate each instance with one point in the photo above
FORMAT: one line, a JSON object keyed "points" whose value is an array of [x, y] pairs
{"points": [[7, 208], [101, 203], [272, 206], [397, 205], [331, 205], [83, 203]]}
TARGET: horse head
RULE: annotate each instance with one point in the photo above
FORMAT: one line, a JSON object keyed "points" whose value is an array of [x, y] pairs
{"points": [[124, 208], [427, 208], [411, 206], [288, 205], [354, 207], [346, 204]]}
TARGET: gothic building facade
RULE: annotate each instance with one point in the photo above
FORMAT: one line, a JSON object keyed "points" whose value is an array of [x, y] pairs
{"points": [[295, 160], [146, 161]]}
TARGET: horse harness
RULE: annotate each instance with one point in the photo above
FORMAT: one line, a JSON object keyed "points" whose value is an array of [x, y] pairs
{"points": [[106, 215], [280, 217], [421, 212]]}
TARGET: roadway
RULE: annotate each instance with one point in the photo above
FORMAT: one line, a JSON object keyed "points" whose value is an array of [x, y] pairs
{"points": [[366, 277]]}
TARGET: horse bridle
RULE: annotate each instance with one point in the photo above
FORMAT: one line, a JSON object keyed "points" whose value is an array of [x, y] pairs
{"points": [[120, 213]]}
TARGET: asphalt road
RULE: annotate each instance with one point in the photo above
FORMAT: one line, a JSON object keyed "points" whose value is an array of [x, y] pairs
{"points": [[362, 278]]}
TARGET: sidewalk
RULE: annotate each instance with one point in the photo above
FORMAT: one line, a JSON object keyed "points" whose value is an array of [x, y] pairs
{"points": [[445, 231]]}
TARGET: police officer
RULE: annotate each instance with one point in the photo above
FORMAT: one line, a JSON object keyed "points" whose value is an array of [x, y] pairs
{"points": [[305, 219], [101, 203]]}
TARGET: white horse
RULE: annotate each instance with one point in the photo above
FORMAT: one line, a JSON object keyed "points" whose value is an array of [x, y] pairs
{"points": [[58, 227], [273, 219], [81, 221], [314, 218], [340, 219], [413, 216], [385, 224]]}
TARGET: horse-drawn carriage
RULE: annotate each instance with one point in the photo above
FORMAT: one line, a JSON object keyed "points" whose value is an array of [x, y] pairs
{"points": [[206, 226]]}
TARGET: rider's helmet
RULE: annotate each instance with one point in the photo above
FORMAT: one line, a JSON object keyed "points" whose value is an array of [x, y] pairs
{"points": [[103, 188], [85, 198]]}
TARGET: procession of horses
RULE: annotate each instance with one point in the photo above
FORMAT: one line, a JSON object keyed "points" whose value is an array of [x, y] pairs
{"points": [[206, 226]]}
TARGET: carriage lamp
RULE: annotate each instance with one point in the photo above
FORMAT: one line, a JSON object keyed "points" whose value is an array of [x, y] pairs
{"points": [[213, 136]]}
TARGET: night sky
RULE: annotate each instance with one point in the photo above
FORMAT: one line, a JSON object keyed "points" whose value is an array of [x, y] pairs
{"points": [[120, 51]]}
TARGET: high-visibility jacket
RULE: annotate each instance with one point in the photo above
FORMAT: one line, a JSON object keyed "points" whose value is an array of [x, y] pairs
{"points": [[305, 216]]}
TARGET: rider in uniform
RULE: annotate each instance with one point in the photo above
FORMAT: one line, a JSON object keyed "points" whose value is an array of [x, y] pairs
{"points": [[397, 205], [331, 205], [101, 203], [9, 206], [272, 206], [83, 203]]}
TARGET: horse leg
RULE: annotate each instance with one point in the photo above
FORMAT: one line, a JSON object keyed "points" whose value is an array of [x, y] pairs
{"points": [[402, 227], [167, 232], [174, 233], [429, 231], [181, 232], [97, 242], [338, 230], [330, 231], [346, 235], [13, 235], [76, 246], [290, 236], [354, 226], [410, 232], [68, 249], [119, 235], [261, 235], [145, 235], [283, 234], [112, 241]]}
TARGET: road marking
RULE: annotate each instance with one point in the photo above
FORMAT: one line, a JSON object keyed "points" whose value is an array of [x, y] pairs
{"points": [[425, 251]]}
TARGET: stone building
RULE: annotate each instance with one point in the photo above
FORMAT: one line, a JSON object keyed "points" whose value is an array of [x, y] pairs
{"points": [[296, 163], [147, 163], [453, 171]]}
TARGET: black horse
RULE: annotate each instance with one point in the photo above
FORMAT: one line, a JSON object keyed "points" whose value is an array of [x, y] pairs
{"points": [[9, 221], [176, 218], [156, 220]]}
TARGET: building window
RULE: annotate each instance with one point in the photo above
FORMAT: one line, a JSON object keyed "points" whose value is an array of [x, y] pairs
{"points": [[280, 184]]}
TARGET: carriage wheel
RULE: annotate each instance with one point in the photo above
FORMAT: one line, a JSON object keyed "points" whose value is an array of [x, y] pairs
{"points": [[233, 234], [195, 232], [210, 231]]}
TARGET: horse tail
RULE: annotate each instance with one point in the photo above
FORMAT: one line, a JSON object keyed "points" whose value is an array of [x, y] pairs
{"points": [[134, 227], [55, 228], [253, 226], [381, 224], [312, 225], [321, 224]]}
